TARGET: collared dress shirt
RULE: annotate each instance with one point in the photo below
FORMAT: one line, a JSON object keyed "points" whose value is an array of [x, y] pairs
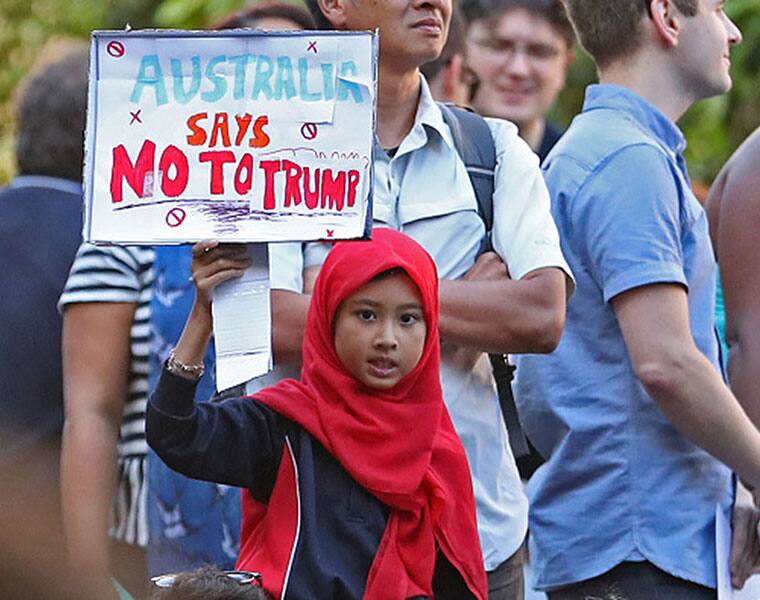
{"points": [[621, 483]]}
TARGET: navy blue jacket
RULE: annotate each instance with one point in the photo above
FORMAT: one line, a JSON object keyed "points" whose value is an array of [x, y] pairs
{"points": [[40, 228], [241, 442]]}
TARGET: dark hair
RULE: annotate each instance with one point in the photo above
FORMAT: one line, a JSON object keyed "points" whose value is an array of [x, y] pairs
{"points": [[207, 583], [51, 118], [611, 29], [319, 17], [551, 10], [388, 273], [454, 45], [247, 17]]}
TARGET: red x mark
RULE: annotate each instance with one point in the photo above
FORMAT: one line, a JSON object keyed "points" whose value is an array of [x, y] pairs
{"points": [[135, 116], [312, 46], [330, 233]]}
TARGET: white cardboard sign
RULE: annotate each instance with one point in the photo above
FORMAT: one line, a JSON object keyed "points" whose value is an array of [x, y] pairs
{"points": [[241, 135]]}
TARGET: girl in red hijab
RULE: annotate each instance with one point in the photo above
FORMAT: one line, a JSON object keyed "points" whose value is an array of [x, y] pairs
{"points": [[359, 485]]}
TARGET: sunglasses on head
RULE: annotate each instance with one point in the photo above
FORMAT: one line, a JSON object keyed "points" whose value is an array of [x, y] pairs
{"points": [[241, 577]]}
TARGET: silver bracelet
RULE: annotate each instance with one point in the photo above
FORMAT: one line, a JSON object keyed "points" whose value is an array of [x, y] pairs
{"points": [[176, 366]]}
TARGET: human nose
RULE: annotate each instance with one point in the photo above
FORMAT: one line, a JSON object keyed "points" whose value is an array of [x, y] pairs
{"points": [[386, 338], [734, 33], [518, 62], [442, 5]]}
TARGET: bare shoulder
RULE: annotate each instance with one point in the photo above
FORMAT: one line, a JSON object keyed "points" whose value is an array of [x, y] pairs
{"points": [[735, 195], [740, 177]]}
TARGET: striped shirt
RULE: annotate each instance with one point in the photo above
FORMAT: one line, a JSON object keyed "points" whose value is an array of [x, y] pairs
{"points": [[123, 274]]}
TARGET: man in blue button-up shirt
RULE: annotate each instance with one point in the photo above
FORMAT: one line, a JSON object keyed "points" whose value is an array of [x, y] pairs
{"points": [[631, 407]]}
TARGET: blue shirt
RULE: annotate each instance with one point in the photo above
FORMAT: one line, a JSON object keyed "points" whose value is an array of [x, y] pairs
{"points": [[622, 483], [720, 319], [191, 522]]}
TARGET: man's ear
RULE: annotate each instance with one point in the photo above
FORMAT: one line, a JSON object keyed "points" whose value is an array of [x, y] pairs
{"points": [[452, 75], [569, 58], [666, 20], [334, 12]]}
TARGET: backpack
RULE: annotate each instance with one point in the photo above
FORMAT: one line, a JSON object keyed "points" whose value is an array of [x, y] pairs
{"points": [[475, 146]]}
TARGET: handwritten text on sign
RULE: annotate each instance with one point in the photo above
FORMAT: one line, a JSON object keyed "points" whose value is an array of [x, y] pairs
{"points": [[238, 136]]}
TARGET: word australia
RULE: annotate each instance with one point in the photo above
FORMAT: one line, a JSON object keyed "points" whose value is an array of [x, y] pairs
{"points": [[247, 76]]}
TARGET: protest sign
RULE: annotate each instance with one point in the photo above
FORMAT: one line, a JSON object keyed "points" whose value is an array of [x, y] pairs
{"points": [[241, 135]]}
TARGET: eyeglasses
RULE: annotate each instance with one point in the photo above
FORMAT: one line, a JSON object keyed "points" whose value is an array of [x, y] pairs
{"points": [[507, 49], [241, 577]]}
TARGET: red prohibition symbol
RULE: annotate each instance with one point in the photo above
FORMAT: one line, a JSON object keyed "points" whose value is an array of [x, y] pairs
{"points": [[309, 130], [175, 217], [115, 49]]}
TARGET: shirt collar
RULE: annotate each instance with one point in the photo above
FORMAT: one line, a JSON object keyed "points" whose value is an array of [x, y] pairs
{"points": [[428, 113], [45, 181], [428, 117], [645, 114]]}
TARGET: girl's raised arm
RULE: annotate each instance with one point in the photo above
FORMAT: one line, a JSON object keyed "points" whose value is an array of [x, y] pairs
{"points": [[213, 263]]}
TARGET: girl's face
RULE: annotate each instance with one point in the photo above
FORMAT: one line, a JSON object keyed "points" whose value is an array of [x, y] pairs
{"points": [[380, 330]]}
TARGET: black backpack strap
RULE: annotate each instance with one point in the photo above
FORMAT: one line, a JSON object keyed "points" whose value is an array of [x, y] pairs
{"points": [[475, 146]]}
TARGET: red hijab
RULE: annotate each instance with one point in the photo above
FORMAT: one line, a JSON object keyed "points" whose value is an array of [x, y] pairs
{"points": [[399, 443]]}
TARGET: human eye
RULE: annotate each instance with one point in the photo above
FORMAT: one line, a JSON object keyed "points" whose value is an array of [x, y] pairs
{"points": [[542, 51], [495, 45], [410, 318], [365, 314]]}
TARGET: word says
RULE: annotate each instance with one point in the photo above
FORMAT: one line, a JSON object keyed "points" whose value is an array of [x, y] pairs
{"points": [[221, 128], [274, 78], [322, 188]]}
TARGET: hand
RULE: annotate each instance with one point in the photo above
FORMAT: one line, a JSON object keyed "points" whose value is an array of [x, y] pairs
{"points": [[488, 267], [215, 263], [745, 541]]}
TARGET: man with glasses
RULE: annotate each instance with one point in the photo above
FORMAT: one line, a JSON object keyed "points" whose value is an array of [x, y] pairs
{"points": [[519, 52], [631, 408]]}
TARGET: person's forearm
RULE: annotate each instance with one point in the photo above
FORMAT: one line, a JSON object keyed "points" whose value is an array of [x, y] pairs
{"points": [[96, 361], [192, 344], [509, 316], [693, 397], [87, 490], [223, 442]]}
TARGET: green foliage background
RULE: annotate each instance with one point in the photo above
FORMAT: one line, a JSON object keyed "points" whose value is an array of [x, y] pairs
{"points": [[714, 128]]}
